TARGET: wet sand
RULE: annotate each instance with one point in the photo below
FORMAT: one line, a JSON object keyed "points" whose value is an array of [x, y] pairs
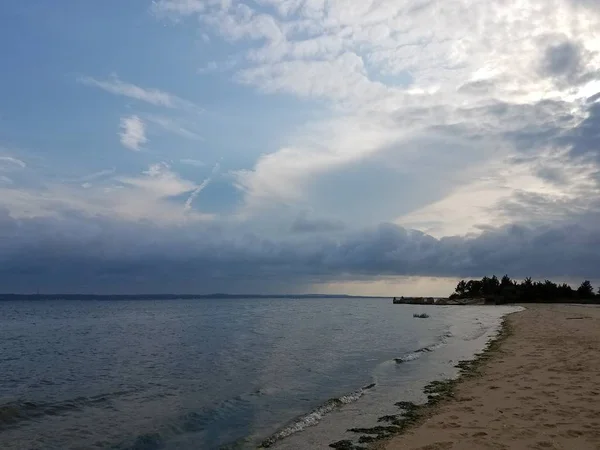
{"points": [[541, 390]]}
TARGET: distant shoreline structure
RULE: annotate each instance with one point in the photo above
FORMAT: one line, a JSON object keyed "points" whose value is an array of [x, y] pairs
{"points": [[440, 301]]}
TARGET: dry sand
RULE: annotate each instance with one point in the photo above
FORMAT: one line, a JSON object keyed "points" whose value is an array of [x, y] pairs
{"points": [[540, 391]]}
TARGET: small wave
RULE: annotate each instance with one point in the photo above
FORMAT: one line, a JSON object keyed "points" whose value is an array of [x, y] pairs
{"points": [[418, 353], [14, 412], [407, 357], [315, 416]]}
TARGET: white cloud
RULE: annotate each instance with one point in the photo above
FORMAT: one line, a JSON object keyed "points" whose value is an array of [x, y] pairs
{"points": [[88, 180], [151, 195], [133, 132], [184, 7], [218, 66], [100, 174], [282, 177], [154, 196], [173, 126], [153, 96], [486, 73], [342, 79], [487, 196], [9, 162], [442, 44], [192, 162], [160, 180]]}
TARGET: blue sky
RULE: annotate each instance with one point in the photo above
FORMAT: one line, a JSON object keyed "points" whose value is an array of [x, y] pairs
{"points": [[370, 147]]}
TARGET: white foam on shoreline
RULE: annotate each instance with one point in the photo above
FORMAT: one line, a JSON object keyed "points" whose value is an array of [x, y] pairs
{"points": [[315, 416]]}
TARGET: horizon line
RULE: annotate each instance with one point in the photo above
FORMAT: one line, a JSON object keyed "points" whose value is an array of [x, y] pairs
{"points": [[189, 296]]}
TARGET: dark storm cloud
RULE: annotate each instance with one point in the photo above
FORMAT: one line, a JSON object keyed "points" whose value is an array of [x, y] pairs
{"points": [[574, 155], [533, 207], [477, 87], [553, 174], [562, 59], [584, 140], [75, 253], [592, 5], [527, 126], [567, 62], [305, 224], [593, 98], [531, 127]]}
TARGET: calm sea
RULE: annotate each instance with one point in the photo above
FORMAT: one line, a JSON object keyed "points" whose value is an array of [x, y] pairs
{"points": [[210, 374]]}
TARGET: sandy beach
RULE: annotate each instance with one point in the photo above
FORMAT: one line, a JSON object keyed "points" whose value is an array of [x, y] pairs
{"points": [[541, 390]]}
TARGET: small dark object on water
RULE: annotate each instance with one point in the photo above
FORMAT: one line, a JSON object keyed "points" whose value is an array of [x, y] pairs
{"points": [[420, 316]]}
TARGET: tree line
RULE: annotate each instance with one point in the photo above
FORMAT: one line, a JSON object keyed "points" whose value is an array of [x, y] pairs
{"points": [[506, 290]]}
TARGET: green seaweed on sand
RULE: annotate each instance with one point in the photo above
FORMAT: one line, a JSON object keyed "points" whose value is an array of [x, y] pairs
{"points": [[346, 445], [389, 418], [436, 391], [411, 413], [439, 390], [398, 423], [368, 439]]}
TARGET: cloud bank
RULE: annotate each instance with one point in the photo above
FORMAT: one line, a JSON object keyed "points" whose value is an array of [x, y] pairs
{"points": [[103, 255]]}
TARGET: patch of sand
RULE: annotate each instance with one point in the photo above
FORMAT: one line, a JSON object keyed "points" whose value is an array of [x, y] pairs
{"points": [[540, 391]]}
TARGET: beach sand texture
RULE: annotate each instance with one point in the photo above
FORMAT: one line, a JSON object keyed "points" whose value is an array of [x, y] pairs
{"points": [[540, 391]]}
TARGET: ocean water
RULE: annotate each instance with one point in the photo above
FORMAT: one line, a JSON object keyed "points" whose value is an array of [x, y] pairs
{"points": [[211, 374]]}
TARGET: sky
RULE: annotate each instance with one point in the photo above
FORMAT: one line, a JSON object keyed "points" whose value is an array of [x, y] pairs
{"points": [[374, 147]]}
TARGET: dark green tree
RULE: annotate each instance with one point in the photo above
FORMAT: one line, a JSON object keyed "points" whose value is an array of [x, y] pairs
{"points": [[506, 281], [474, 288], [585, 290], [461, 287], [507, 291]]}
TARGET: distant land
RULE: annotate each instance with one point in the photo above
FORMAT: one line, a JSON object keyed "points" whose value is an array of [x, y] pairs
{"points": [[7, 297]]}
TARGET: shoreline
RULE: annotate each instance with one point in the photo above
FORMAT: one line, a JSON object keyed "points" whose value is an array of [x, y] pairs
{"points": [[466, 333], [541, 369], [411, 414]]}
